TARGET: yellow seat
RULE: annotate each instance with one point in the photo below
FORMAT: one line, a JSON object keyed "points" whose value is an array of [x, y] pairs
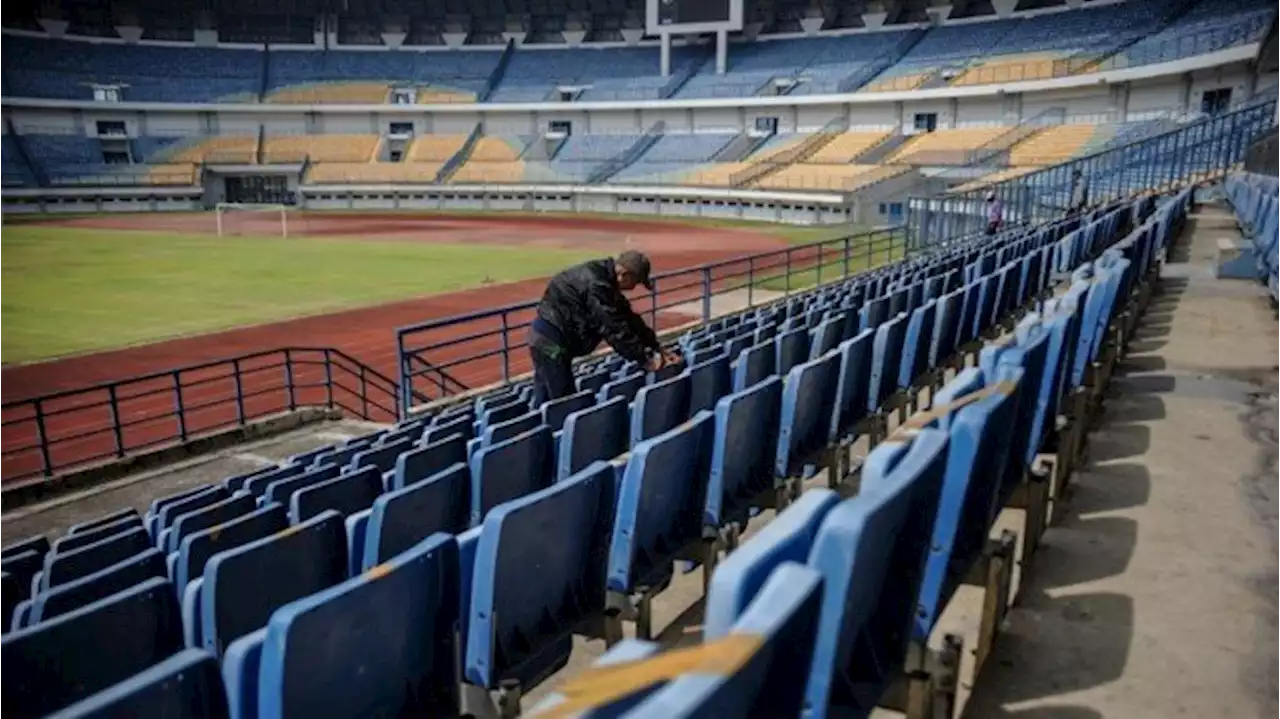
{"points": [[331, 93], [945, 147], [900, 83], [289, 149], [846, 146], [435, 148], [231, 149], [372, 173], [493, 149], [172, 174], [1012, 68], [1052, 145], [489, 172], [441, 96]]}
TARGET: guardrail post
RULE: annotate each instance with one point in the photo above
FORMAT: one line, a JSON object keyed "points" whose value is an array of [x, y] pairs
{"points": [[364, 393], [288, 379], [46, 465], [751, 281], [653, 306], [235, 373], [819, 280], [116, 431], [177, 395], [328, 378], [406, 377], [506, 353], [706, 294], [845, 261], [787, 283]]}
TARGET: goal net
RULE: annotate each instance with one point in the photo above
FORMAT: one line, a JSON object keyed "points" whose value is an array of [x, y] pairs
{"points": [[241, 218]]}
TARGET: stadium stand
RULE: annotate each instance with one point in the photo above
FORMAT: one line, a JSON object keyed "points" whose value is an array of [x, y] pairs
{"points": [[319, 148]]}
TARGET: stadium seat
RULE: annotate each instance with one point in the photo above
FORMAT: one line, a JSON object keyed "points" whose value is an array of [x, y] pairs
{"points": [[187, 685], [83, 538], [201, 519], [282, 490], [345, 495], [742, 457], [430, 459], [244, 585], [403, 517], [659, 407], [556, 411], [86, 590], [510, 469], [597, 433], [68, 567], [195, 550]]}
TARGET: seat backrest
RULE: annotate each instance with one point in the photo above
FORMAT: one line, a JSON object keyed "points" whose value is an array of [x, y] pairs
{"points": [[555, 411], [281, 490], [738, 579], [403, 517], [772, 682], [463, 424], [792, 349], [853, 376], [195, 549], [553, 545], [212, 495], [946, 327], [429, 460], [244, 585], [62, 661], [871, 551], [594, 381], [61, 568], [99, 585], [915, 347], [659, 407], [510, 469], [383, 456], [755, 364], [395, 622], [84, 538], [345, 495], [257, 484], [886, 358], [660, 503], [201, 519], [742, 455], [627, 650], [38, 545], [625, 387], [805, 420], [709, 380], [186, 684], [158, 504], [95, 524], [599, 432]]}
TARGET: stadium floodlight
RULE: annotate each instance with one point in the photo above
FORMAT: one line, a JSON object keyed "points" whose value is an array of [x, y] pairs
{"points": [[248, 218]]}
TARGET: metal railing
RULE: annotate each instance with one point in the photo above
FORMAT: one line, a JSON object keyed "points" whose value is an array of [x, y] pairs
{"points": [[449, 355], [1196, 152], [50, 434], [1263, 155]]}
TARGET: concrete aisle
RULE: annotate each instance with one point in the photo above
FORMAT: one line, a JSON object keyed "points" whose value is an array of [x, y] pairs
{"points": [[1155, 596]]}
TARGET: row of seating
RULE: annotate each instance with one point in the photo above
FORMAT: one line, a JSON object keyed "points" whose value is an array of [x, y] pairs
{"points": [[258, 590], [1255, 200]]}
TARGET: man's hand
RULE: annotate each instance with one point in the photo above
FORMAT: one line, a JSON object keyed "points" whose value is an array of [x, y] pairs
{"points": [[655, 363], [671, 357]]}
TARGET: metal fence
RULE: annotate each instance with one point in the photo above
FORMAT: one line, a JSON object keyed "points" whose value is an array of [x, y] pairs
{"points": [[454, 354], [1263, 156], [1193, 153], [48, 435]]}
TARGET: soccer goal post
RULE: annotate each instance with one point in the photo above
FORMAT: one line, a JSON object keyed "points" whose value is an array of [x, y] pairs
{"points": [[244, 218]]}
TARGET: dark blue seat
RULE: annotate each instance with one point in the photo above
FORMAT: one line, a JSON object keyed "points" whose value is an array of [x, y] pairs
{"points": [[158, 504], [257, 485], [1029, 354], [596, 433], [241, 587], [113, 518], [429, 460], [660, 504], [826, 336], [946, 327], [344, 495], [201, 519], [792, 349], [503, 431], [625, 387], [772, 682], [383, 457], [281, 490], [886, 358], [162, 519], [852, 386], [379, 644], [742, 457], [916, 344], [38, 544], [708, 382], [659, 407], [62, 568], [510, 469], [873, 313], [463, 425], [101, 584], [808, 395], [59, 662], [754, 365], [594, 381], [187, 685], [194, 550], [403, 517], [235, 483], [555, 411], [501, 413], [84, 538], [553, 545]]}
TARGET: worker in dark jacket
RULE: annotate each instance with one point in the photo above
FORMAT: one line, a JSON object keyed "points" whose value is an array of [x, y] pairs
{"points": [[583, 305]]}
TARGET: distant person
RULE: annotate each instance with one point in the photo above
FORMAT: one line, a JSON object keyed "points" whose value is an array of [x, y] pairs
{"points": [[583, 305], [995, 213], [1079, 192]]}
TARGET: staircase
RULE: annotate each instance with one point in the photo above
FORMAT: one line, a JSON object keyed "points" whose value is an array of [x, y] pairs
{"points": [[628, 156], [679, 79], [741, 147], [258, 145], [790, 156], [37, 172], [870, 71], [499, 70], [875, 154], [265, 86], [463, 154]]}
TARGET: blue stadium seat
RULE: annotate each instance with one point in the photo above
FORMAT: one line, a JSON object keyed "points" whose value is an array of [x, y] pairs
{"points": [[709, 380], [597, 433], [403, 517], [237, 482], [886, 358], [553, 545], [916, 345], [195, 550], [627, 650], [659, 407], [555, 411], [625, 387], [852, 386], [85, 537], [503, 431], [463, 425], [281, 490], [187, 685], [379, 644], [113, 518], [171, 511], [429, 460], [345, 495], [242, 586], [772, 682], [660, 504], [38, 545], [792, 349], [99, 585], [383, 456], [510, 469], [754, 365], [63, 568], [201, 519], [742, 457], [808, 396], [59, 662], [257, 484]]}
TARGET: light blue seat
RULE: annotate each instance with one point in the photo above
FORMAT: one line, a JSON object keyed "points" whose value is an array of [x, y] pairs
{"points": [[194, 551], [556, 411], [596, 433], [510, 469], [187, 685], [742, 456], [849, 406], [754, 365], [808, 396], [345, 495], [404, 517], [709, 380], [429, 460], [244, 585], [551, 544], [659, 407]]}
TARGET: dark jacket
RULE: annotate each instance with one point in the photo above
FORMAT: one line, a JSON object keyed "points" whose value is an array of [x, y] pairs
{"points": [[583, 305]]}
